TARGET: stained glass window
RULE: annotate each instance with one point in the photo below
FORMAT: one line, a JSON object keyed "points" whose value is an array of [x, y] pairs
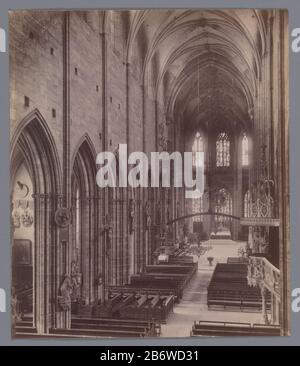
{"points": [[223, 150]]}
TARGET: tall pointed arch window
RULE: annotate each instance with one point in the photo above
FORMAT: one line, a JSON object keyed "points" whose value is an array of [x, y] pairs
{"points": [[247, 204], [223, 150], [77, 218], [198, 161], [198, 146], [245, 150]]}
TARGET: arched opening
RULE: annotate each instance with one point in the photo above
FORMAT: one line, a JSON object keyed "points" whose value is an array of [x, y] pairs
{"points": [[197, 203], [23, 251], [198, 146], [245, 151], [35, 196], [223, 150], [86, 251], [247, 204]]}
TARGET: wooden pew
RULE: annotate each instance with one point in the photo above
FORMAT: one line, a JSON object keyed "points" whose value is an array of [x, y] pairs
{"points": [[181, 259], [229, 288], [169, 268], [151, 327], [150, 307], [216, 328], [125, 300], [136, 289], [157, 286], [105, 309], [164, 308], [98, 333]]}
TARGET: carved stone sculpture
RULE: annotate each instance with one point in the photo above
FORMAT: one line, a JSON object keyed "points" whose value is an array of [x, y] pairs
{"points": [[107, 232], [147, 216], [131, 216], [65, 292], [63, 217], [27, 218], [76, 280]]}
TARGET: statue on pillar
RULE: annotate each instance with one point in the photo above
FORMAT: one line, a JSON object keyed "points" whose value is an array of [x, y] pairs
{"points": [[76, 278], [131, 215], [65, 292], [158, 213], [107, 232], [147, 216]]}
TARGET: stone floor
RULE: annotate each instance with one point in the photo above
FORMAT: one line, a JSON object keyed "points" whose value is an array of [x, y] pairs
{"points": [[193, 304]]}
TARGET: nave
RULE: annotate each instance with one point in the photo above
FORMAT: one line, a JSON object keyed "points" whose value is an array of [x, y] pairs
{"points": [[193, 306], [179, 316], [115, 260]]}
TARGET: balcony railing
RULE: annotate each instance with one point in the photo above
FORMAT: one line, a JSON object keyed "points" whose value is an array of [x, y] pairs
{"points": [[262, 273]]}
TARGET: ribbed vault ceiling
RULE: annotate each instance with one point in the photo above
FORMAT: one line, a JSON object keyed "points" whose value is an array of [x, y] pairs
{"points": [[203, 65]]}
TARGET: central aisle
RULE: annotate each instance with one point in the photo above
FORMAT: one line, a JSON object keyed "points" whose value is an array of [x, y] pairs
{"points": [[193, 303]]}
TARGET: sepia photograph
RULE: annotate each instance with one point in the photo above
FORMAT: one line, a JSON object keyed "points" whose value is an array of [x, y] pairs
{"points": [[149, 173]]}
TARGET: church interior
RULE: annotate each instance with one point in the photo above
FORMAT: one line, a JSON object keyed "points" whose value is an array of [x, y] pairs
{"points": [[149, 262]]}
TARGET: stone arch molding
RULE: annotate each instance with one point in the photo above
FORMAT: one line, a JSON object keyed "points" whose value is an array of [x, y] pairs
{"points": [[34, 138], [85, 145], [34, 143], [83, 178]]}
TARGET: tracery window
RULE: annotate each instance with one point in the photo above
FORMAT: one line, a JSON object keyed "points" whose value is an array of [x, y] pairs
{"points": [[245, 151], [197, 147], [223, 150], [247, 204], [77, 219], [198, 161]]}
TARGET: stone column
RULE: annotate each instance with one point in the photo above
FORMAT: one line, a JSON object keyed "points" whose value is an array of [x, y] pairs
{"points": [[264, 304], [63, 312], [275, 309], [237, 199]]}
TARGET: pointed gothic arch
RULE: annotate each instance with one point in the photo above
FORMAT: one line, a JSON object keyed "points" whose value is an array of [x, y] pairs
{"points": [[223, 150], [33, 146], [245, 150], [86, 201]]}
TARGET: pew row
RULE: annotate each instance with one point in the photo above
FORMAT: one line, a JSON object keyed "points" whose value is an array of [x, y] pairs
{"points": [[141, 327], [139, 304], [229, 288], [218, 328]]}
